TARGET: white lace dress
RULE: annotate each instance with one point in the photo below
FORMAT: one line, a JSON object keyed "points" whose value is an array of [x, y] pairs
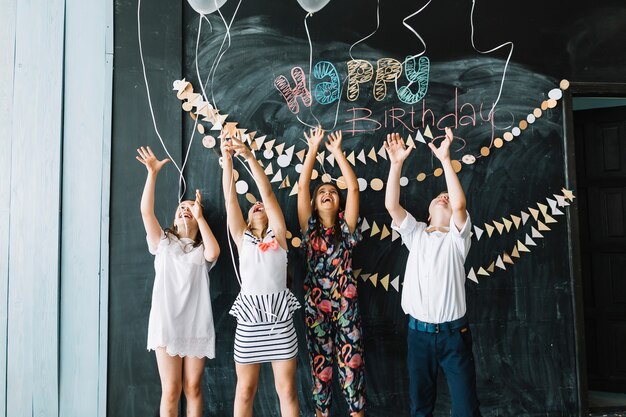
{"points": [[181, 319]]}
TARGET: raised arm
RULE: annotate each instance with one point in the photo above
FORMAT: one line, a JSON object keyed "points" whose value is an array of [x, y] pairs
{"points": [[398, 153], [211, 247], [272, 208], [234, 216], [455, 191], [314, 140], [150, 222], [351, 214]]}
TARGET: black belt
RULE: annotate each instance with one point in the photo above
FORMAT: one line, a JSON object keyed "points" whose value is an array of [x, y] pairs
{"points": [[448, 326]]}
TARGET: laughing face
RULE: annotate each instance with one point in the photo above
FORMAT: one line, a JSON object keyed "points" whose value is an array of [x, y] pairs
{"points": [[183, 214], [327, 198], [257, 213]]}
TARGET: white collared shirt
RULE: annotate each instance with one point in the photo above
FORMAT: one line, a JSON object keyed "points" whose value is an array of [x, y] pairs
{"points": [[434, 280]]}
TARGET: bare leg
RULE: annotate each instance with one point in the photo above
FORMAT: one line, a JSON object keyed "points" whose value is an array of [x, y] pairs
{"points": [[285, 381], [247, 384], [170, 371], [192, 385]]}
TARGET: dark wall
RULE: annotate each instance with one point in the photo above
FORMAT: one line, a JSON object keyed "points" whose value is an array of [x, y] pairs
{"points": [[522, 317]]}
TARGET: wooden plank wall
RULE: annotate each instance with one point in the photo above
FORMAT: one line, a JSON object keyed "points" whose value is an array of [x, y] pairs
{"points": [[55, 115], [86, 161], [33, 295], [7, 47]]}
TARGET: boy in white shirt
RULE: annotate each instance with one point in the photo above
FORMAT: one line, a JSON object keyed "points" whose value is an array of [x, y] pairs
{"points": [[434, 287]]}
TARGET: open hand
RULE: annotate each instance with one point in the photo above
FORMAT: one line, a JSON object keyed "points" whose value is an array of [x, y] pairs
{"points": [[196, 208], [443, 151], [396, 148], [146, 157], [226, 147], [315, 137], [333, 143], [239, 148]]}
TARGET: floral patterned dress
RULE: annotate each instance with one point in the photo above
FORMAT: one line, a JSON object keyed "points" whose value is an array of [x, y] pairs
{"points": [[333, 320]]}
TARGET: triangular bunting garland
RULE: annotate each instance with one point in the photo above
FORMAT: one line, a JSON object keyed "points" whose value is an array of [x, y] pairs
{"points": [[472, 275], [478, 232], [384, 281], [385, 232], [375, 229], [372, 155]]}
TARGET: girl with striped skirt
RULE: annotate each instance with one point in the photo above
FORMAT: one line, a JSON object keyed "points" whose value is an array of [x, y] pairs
{"points": [[264, 307]]}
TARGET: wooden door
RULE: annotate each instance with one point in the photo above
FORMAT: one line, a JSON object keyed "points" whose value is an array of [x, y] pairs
{"points": [[601, 176]]}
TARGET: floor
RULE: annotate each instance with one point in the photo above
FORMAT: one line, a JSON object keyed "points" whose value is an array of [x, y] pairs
{"points": [[608, 401]]}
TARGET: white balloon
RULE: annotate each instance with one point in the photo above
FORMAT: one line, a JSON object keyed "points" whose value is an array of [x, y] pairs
{"points": [[206, 6], [313, 6]]}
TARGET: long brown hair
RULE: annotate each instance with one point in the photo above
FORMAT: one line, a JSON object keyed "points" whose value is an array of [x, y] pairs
{"points": [[342, 207]]}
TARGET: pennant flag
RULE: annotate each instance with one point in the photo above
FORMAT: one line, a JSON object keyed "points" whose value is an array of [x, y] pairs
{"points": [[382, 152], [500, 264], [269, 144], [385, 232], [331, 159], [285, 183], [428, 133], [491, 267], [301, 154], [259, 141], [507, 224], [410, 143], [534, 212], [543, 208], [269, 170], [557, 212], [364, 225], [529, 241], [279, 148], [516, 220], [350, 158], [525, 217], [472, 275], [278, 177], [568, 194], [294, 190], [361, 156], [394, 235], [560, 200], [374, 278], [356, 272], [548, 219], [489, 228], [507, 258], [481, 271], [521, 247], [419, 137], [372, 155], [395, 283], [364, 277], [375, 229], [551, 203], [478, 231], [535, 233], [384, 281], [514, 252], [499, 226]]}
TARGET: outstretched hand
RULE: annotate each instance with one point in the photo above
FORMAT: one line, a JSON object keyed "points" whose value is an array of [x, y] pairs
{"points": [[333, 143], [396, 149], [239, 148], [315, 137], [146, 157], [196, 208], [443, 151]]}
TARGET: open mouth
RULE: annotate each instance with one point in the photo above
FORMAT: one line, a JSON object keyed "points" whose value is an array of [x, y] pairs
{"points": [[327, 200], [258, 208]]}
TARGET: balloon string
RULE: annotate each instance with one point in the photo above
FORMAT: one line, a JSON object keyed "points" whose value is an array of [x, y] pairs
{"points": [[221, 52], [196, 60], [489, 51], [181, 178], [410, 28], [371, 34], [308, 35]]}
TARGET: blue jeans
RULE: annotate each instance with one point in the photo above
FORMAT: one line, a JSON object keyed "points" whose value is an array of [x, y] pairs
{"points": [[450, 349]]}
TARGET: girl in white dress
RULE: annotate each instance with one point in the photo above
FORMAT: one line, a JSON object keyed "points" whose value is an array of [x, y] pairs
{"points": [[264, 307], [180, 328]]}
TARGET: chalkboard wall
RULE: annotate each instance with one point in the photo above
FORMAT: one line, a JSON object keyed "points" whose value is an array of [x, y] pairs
{"points": [[522, 316]]}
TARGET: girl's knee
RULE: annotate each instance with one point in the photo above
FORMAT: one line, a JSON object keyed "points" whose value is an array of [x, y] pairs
{"points": [[246, 391], [171, 392], [286, 390], [192, 389]]}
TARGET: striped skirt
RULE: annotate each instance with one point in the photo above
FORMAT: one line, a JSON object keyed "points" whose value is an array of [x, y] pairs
{"points": [[265, 342], [265, 330]]}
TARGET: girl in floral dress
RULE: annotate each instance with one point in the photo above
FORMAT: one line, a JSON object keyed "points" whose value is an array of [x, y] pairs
{"points": [[333, 321]]}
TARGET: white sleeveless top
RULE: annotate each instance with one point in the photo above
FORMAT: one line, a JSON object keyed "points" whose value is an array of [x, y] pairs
{"points": [[264, 296]]}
